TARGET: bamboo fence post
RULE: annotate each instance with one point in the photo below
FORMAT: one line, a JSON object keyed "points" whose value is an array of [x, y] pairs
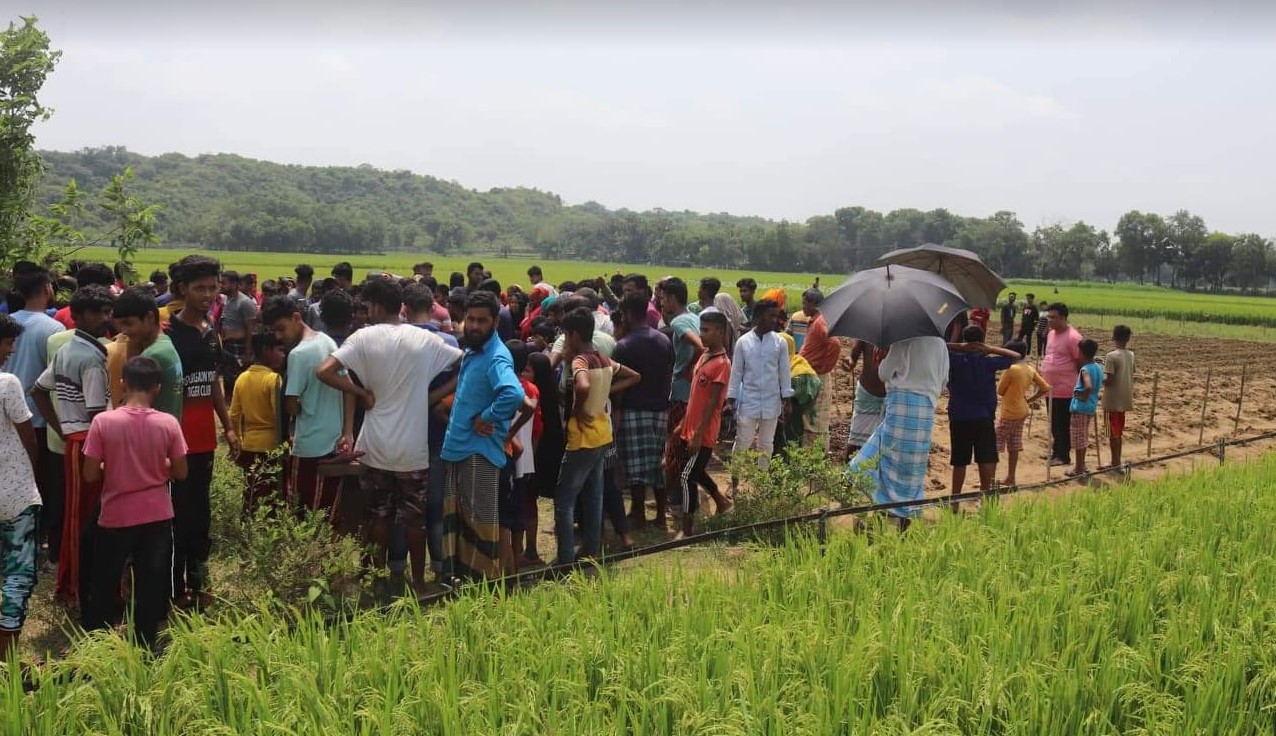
{"points": [[1209, 375], [1156, 379], [1049, 436], [1236, 426], [1098, 452]]}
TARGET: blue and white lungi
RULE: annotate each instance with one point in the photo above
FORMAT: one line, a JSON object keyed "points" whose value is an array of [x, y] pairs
{"points": [[901, 448]]}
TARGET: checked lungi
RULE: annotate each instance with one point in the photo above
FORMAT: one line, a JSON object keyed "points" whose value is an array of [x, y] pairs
{"points": [[895, 458], [867, 416], [471, 519], [641, 436]]}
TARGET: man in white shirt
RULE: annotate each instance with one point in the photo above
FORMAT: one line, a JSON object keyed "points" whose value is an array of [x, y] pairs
{"points": [[761, 385], [895, 458], [396, 363]]}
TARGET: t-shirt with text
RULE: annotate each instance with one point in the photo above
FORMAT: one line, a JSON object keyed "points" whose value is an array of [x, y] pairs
{"points": [[200, 351]]}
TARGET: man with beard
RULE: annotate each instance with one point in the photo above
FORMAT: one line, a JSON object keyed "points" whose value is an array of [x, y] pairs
{"points": [[195, 281], [488, 393], [396, 363], [238, 319], [319, 420]]}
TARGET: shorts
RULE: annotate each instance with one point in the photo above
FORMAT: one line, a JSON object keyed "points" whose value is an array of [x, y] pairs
{"points": [[1116, 424], [400, 497], [977, 437], [511, 498], [1079, 430], [1010, 435]]}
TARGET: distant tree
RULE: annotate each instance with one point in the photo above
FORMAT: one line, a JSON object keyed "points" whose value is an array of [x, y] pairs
{"points": [[1143, 244], [1251, 256]]}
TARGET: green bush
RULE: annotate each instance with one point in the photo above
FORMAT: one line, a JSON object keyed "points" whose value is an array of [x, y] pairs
{"points": [[796, 482], [280, 555]]}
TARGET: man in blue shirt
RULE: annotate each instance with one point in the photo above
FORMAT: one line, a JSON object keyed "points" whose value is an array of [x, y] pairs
{"points": [[488, 394], [28, 361], [972, 405]]}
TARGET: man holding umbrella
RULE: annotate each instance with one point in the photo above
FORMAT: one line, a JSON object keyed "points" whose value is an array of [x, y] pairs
{"points": [[907, 310]]}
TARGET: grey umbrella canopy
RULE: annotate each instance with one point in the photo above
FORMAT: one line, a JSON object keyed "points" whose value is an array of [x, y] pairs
{"points": [[978, 284], [892, 303]]}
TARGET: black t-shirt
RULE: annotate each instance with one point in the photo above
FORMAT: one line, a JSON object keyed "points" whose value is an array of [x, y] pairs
{"points": [[201, 354]]}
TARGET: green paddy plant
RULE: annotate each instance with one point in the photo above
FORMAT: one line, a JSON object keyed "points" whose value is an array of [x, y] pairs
{"points": [[1143, 609]]}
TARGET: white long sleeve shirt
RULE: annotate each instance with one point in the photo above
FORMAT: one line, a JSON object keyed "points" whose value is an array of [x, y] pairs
{"points": [[760, 377]]}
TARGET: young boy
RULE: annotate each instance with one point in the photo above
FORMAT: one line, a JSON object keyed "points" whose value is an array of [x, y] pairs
{"points": [[77, 377], [137, 318], [1085, 400], [1013, 390], [195, 279], [254, 415], [698, 432], [972, 405], [1118, 388], [19, 498], [134, 451]]}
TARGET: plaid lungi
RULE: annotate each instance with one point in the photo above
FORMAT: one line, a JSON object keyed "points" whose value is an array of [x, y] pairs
{"points": [[895, 458], [1079, 430], [641, 439], [867, 416], [819, 424], [471, 519]]}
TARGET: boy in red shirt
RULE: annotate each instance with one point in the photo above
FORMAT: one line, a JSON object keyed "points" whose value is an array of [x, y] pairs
{"points": [[134, 451], [698, 432]]}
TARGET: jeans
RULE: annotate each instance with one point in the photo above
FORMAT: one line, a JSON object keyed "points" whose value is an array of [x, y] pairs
{"points": [[749, 428], [1061, 428], [434, 509], [614, 502], [581, 476]]}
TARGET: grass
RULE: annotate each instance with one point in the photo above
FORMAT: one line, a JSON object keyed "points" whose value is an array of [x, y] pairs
{"points": [[1145, 609], [1151, 302], [1161, 307], [507, 271]]}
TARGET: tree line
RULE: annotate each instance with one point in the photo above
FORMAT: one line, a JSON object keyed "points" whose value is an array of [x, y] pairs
{"points": [[230, 202]]}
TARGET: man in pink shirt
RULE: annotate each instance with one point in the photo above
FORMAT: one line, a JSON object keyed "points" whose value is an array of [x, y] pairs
{"points": [[1059, 366]]}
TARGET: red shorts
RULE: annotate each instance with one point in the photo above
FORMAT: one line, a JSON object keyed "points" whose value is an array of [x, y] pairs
{"points": [[1116, 423]]}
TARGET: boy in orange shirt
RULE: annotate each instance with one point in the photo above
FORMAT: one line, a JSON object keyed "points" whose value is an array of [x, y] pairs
{"points": [[698, 432]]}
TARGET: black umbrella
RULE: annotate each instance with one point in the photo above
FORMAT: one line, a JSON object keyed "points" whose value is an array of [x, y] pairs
{"points": [[893, 303], [978, 284]]}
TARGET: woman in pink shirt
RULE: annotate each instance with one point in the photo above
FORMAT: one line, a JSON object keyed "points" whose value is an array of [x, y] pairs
{"points": [[1059, 366]]}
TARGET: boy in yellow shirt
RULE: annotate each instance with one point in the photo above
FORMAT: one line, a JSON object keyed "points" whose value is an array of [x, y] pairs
{"points": [[254, 416], [1013, 390]]}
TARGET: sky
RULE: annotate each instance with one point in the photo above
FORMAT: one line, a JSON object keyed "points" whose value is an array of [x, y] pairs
{"points": [[784, 110]]}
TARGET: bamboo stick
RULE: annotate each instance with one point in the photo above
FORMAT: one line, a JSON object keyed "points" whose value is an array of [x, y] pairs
{"points": [[1156, 379], [1209, 375], [1236, 426]]}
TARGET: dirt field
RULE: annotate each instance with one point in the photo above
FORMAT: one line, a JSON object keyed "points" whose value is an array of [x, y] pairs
{"points": [[1181, 364]]}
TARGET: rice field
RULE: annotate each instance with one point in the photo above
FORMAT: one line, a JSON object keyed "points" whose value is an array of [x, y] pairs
{"points": [[1099, 299], [1140, 609]]}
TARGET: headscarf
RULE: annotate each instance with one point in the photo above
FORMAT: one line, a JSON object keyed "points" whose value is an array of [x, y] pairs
{"points": [[797, 364], [725, 304], [775, 295]]}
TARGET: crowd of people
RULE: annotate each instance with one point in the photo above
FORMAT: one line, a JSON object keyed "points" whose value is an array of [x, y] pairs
{"points": [[461, 404]]}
